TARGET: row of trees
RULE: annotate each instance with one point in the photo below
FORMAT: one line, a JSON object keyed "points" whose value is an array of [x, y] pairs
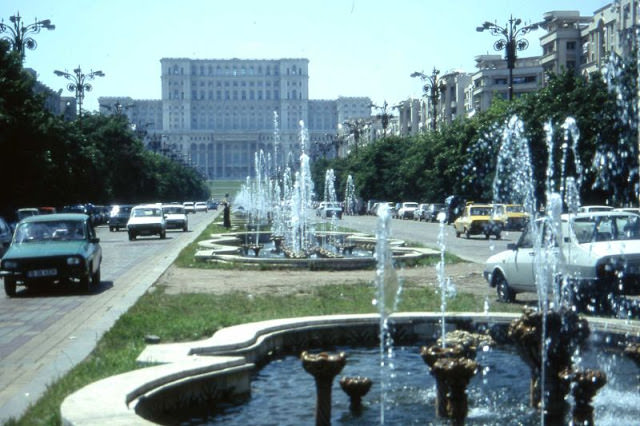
{"points": [[460, 158], [45, 160]]}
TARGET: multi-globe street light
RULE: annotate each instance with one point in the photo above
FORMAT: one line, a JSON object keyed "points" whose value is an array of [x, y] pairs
{"points": [[17, 35], [510, 42], [79, 83], [384, 116], [432, 88]]}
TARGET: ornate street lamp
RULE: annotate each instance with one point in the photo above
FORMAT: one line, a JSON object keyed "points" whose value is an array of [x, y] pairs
{"points": [[17, 34], [78, 83], [383, 116], [432, 88], [510, 42]]}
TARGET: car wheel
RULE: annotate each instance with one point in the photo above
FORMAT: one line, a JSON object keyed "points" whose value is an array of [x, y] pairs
{"points": [[185, 228], [457, 234], [111, 229], [486, 236], [85, 284], [132, 236], [10, 286], [163, 235], [467, 234], [505, 293], [95, 278], [498, 236]]}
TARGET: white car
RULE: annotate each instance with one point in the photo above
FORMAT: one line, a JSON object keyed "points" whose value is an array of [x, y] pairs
{"points": [[599, 255], [201, 206], [147, 219], [329, 209], [175, 217], [406, 210], [189, 207]]}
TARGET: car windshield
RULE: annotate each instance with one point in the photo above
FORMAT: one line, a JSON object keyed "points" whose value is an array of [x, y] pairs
{"points": [[480, 211], [144, 212], [59, 230], [515, 209], [174, 210], [606, 228]]}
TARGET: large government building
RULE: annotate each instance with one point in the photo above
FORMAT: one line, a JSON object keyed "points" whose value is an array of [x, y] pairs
{"points": [[216, 113]]}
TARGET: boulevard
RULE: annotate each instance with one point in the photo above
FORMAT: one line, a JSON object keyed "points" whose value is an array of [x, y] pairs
{"points": [[43, 334]]}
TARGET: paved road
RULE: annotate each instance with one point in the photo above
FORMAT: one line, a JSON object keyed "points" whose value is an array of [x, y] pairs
{"points": [[476, 249], [44, 334]]}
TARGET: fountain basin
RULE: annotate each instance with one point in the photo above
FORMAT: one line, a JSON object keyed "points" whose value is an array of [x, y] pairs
{"points": [[221, 366], [228, 248]]}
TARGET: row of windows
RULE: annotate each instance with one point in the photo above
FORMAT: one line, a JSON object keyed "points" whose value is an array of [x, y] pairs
{"points": [[228, 95], [235, 70]]}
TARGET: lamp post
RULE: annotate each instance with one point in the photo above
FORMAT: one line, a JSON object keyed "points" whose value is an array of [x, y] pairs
{"points": [[384, 116], [431, 87], [78, 83], [18, 33], [510, 41]]}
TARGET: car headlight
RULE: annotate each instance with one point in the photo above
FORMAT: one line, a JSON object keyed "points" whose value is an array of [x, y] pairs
{"points": [[73, 261], [10, 264]]}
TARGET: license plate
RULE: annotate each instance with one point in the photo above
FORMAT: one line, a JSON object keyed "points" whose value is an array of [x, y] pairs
{"points": [[39, 273]]}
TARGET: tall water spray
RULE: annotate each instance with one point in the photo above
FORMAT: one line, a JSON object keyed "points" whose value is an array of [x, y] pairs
{"points": [[350, 199], [388, 288]]}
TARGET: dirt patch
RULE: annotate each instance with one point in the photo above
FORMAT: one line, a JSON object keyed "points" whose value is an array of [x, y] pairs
{"points": [[467, 278]]}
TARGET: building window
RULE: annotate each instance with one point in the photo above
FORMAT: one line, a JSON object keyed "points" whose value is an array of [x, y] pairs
{"points": [[571, 45]]}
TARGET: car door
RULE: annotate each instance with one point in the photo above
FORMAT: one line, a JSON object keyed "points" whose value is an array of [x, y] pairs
{"points": [[519, 270]]}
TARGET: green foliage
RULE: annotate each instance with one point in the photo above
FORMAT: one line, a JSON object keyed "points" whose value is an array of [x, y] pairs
{"points": [[460, 157], [47, 161]]}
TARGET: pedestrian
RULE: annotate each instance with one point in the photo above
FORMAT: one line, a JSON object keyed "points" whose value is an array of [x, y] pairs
{"points": [[226, 215]]}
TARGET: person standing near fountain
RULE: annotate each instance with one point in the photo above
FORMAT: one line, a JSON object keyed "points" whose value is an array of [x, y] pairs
{"points": [[226, 212]]}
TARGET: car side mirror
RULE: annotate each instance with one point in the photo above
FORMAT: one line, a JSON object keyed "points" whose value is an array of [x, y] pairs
{"points": [[94, 240], [512, 246]]}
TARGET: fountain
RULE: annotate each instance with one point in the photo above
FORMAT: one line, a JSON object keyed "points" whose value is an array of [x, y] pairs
{"points": [[552, 345]]}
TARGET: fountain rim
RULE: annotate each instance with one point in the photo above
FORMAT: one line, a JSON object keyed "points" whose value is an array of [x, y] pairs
{"points": [[233, 350], [225, 248]]}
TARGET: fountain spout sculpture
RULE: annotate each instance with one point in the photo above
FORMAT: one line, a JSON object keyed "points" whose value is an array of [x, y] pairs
{"points": [[356, 388], [323, 367], [548, 364]]}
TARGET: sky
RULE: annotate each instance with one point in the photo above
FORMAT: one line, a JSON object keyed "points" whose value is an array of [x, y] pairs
{"points": [[354, 47]]}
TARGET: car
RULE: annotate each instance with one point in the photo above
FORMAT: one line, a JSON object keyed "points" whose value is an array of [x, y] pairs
{"points": [[176, 217], [119, 216], [420, 213], [434, 210], [212, 205], [26, 212], [478, 219], [189, 207], [513, 216], [601, 253], [406, 209], [329, 209], [592, 209], [147, 219], [51, 249], [5, 236], [201, 206]]}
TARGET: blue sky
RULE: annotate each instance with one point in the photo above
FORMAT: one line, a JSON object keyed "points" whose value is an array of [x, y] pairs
{"points": [[354, 47]]}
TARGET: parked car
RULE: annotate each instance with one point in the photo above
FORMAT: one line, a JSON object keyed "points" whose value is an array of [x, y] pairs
{"points": [[513, 216], [477, 219], [5, 236], [147, 219], [189, 207], [420, 213], [26, 212], [119, 216], [434, 210], [329, 209], [600, 255], [406, 209], [201, 206], [212, 205], [176, 217], [593, 209], [50, 249]]}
